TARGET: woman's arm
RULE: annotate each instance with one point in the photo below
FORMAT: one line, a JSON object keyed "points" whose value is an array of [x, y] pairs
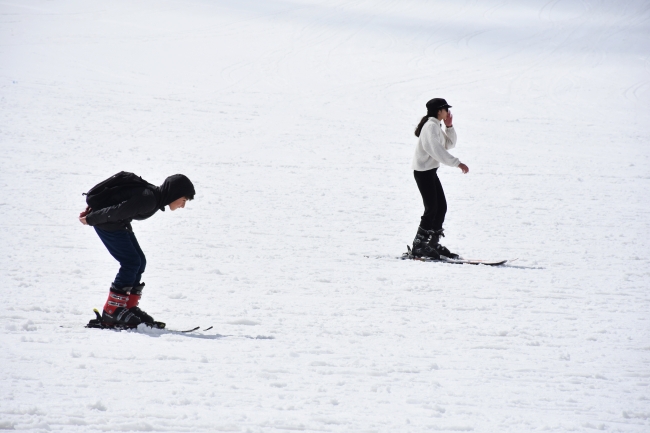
{"points": [[450, 137], [450, 133], [434, 143]]}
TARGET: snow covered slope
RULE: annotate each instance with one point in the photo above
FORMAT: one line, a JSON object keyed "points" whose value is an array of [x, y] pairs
{"points": [[295, 121]]}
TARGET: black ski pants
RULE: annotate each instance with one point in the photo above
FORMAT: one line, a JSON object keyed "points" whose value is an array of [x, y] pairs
{"points": [[433, 197]]}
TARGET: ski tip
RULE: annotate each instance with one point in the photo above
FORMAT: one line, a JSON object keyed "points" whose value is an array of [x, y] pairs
{"points": [[158, 325]]}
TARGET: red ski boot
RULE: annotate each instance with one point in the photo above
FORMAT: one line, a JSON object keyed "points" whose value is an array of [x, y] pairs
{"points": [[132, 305], [116, 313]]}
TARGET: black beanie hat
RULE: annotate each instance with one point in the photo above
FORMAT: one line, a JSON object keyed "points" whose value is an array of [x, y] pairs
{"points": [[175, 187], [436, 104]]}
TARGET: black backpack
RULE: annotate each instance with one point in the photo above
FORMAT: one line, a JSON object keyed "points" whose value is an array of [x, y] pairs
{"points": [[109, 192]]}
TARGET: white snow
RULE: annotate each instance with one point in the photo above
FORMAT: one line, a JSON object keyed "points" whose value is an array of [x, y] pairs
{"points": [[295, 121]]}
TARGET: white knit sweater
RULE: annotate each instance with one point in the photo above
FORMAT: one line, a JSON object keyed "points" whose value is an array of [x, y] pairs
{"points": [[433, 145]]}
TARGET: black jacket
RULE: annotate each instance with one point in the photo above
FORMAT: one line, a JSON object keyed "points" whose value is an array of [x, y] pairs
{"points": [[137, 203]]}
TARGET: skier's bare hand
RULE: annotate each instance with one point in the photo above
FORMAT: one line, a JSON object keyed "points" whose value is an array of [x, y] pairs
{"points": [[449, 120], [463, 167], [82, 215]]}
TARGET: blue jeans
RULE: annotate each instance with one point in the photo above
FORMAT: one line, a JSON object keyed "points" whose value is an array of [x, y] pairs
{"points": [[124, 247]]}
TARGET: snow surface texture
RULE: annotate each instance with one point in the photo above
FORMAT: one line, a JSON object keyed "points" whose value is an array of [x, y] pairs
{"points": [[295, 121]]}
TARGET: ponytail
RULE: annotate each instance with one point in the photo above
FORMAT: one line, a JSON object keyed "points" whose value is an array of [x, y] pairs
{"points": [[420, 125]]}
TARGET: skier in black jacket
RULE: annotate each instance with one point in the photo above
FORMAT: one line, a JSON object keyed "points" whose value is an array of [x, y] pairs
{"points": [[113, 225]]}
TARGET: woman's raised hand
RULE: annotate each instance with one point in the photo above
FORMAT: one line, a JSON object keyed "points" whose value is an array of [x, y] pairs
{"points": [[449, 119]]}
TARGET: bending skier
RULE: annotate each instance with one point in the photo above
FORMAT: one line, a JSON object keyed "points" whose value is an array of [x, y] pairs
{"points": [[112, 205], [431, 150]]}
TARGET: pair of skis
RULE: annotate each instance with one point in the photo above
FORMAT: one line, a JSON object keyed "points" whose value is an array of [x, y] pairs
{"points": [[97, 323], [409, 255]]}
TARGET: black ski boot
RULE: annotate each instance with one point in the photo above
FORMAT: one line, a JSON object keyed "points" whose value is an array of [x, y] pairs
{"points": [[115, 313], [441, 250], [134, 300], [422, 245]]}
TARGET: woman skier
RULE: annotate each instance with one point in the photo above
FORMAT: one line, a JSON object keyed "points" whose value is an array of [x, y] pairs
{"points": [[431, 150]]}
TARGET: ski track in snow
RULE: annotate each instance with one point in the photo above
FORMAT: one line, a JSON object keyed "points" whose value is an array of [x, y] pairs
{"points": [[294, 120]]}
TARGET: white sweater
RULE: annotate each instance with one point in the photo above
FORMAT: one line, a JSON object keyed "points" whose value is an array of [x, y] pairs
{"points": [[433, 145]]}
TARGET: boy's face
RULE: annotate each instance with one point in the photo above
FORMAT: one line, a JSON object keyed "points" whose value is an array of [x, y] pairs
{"points": [[178, 203]]}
